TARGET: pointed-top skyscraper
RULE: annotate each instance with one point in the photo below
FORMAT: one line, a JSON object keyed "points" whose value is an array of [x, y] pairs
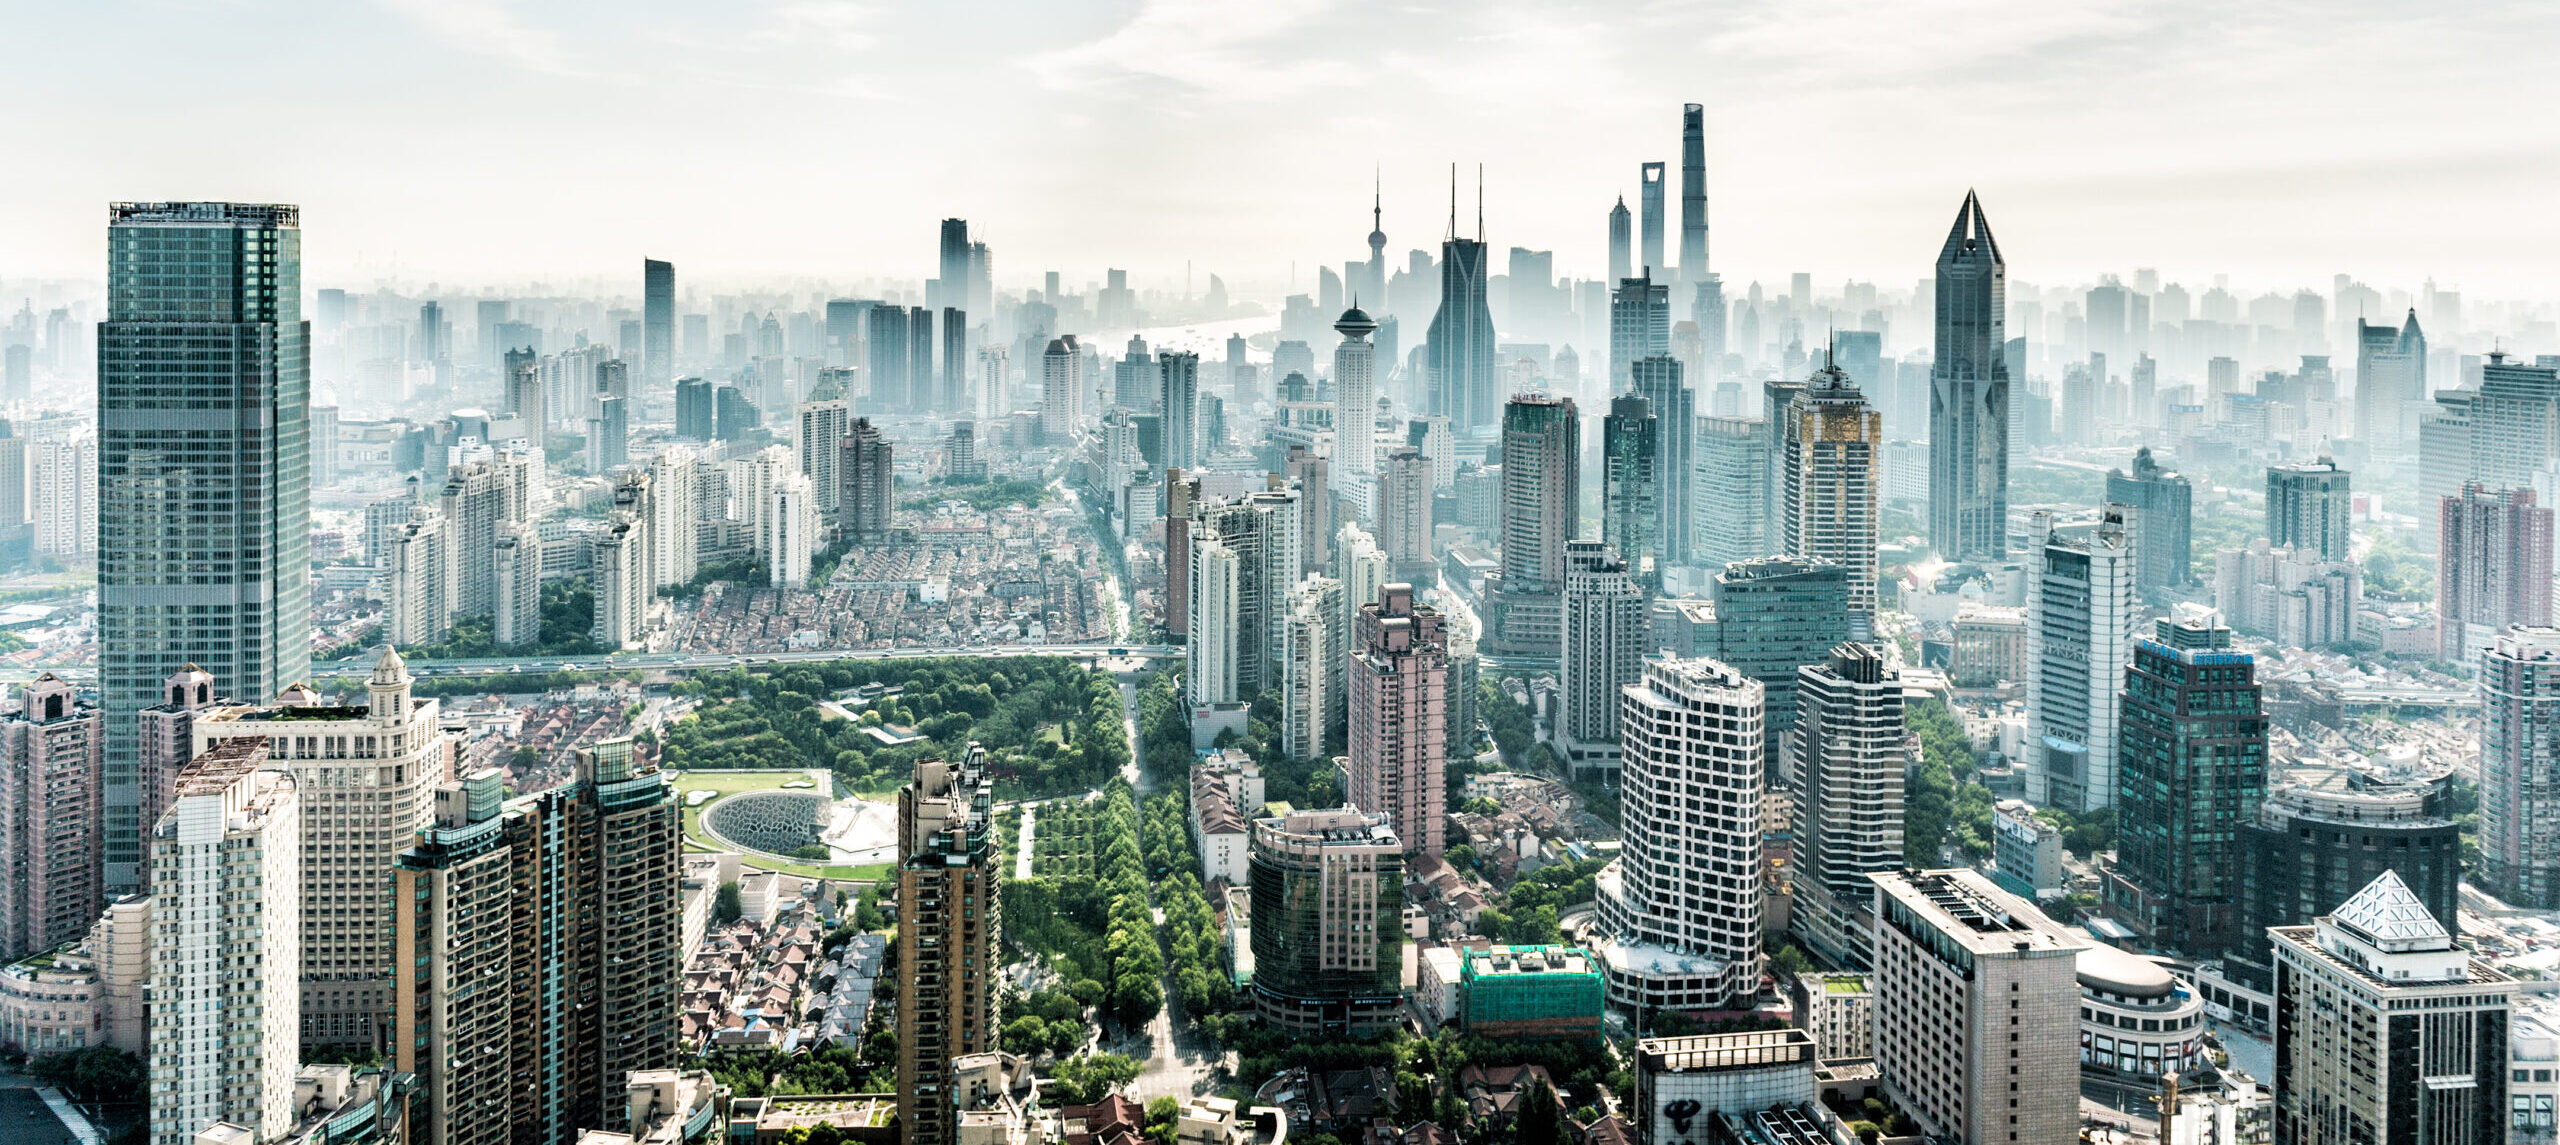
{"points": [[1459, 350], [1622, 255], [1376, 290], [1969, 396]]}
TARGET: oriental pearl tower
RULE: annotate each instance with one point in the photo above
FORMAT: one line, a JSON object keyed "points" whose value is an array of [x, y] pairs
{"points": [[1377, 246]]}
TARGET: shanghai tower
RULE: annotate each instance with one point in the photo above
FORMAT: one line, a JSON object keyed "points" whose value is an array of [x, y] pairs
{"points": [[204, 486], [1693, 193], [1969, 397]]}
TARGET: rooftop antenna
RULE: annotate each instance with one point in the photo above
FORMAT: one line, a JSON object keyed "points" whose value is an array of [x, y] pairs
{"points": [[1453, 202], [1479, 202]]}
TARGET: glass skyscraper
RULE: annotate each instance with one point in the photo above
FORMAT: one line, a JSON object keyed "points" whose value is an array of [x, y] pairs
{"points": [[204, 497]]}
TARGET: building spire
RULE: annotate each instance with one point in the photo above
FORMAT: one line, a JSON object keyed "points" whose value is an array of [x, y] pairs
{"points": [[1479, 202], [1453, 202]]}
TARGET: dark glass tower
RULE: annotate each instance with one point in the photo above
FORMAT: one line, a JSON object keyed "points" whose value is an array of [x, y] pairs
{"points": [[1464, 388], [1629, 483], [1622, 241], [1969, 396], [1658, 381], [657, 324], [2191, 771], [204, 479]]}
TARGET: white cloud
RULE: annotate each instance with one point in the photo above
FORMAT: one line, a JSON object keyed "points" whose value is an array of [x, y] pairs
{"points": [[840, 24], [1214, 49], [490, 28]]}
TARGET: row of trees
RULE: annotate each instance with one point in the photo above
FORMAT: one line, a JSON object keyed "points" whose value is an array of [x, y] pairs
{"points": [[1136, 962], [1192, 938]]}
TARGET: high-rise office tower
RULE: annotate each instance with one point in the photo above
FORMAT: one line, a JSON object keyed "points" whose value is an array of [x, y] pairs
{"points": [[995, 377], [2312, 506], [658, 324], [1833, 466], [866, 494], [1328, 906], [1178, 396], [1680, 908], [949, 889], [366, 778], [1845, 757], [1399, 675], [675, 505], [1639, 326], [823, 425], [1729, 521], [919, 397], [1404, 516], [2193, 769], [50, 751], [2163, 522], [609, 434], [1180, 494], [1631, 479], [1541, 510], [223, 1046], [2391, 377], [1777, 395], [1693, 192], [2385, 1029], [1977, 1007], [787, 531], [1260, 531], [2081, 613], [224, 282], [1061, 390], [1622, 257], [1311, 655], [1355, 404], [952, 396], [1969, 396], [2315, 842], [888, 368], [1214, 626], [1773, 616], [1649, 192], [696, 419], [1137, 385], [515, 559], [563, 908], [1605, 632], [2493, 568], [1458, 349], [2519, 816], [952, 288]]}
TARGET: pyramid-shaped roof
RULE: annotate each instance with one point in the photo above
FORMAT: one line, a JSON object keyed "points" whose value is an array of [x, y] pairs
{"points": [[2388, 914]]}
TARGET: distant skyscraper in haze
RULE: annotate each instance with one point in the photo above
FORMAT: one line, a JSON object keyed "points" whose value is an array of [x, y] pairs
{"points": [[1355, 405], [1693, 192], [1061, 390], [657, 325], [696, 419], [1729, 521], [2391, 374], [1639, 325], [233, 596], [1178, 375], [1969, 396], [952, 288], [887, 368], [1649, 193], [1622, 255], [1657, 379], [1459, 346], [1376, 286], [2163, 522], [2312, 506]]}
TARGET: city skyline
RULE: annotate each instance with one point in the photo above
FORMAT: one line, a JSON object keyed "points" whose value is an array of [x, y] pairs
{"points": [[1147, 92]]}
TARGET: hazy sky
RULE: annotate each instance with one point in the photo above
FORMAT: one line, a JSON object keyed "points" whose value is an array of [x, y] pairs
{"points": [[509, 140]]}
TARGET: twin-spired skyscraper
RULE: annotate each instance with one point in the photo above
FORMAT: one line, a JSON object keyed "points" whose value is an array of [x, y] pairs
{"points": [[1969, 396], [204, 490]]}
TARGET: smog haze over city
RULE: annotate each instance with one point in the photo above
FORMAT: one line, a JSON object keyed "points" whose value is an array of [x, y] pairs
{"points": [[1279, 572]]}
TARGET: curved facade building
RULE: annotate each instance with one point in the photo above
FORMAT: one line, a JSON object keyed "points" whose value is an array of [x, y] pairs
{"points": [[2314, 846], [1680, 909], [2136, 1018], [1328, 922]]}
